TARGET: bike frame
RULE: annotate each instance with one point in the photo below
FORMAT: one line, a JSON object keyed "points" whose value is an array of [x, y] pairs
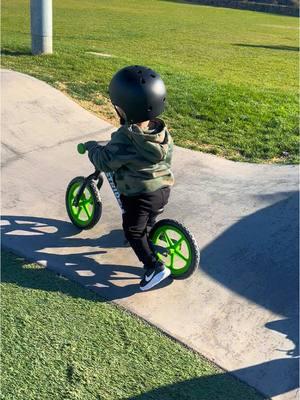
{"points": [[97, 175]]}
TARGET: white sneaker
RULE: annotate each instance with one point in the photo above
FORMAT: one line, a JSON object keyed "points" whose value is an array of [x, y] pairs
{"points": [[153, 276]]}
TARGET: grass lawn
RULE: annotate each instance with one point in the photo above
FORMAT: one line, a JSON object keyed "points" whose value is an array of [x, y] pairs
{"points": [[232, 75], [61, 341]]}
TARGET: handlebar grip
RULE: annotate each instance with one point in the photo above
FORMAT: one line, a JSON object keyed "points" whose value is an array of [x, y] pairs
{"points": [[81, 148]]}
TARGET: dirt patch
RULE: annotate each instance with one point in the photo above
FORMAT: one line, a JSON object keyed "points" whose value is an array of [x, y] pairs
{"points": [[99, 106], [296, 28], [100, 54]]}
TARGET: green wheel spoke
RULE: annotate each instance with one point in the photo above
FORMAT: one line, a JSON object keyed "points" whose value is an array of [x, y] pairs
{"points": [[172, 261], [168, 239], [79, 211], [162, 237], [73, 199], [87, 211], [160, 256], [181, 256], [84, 213], [178, 247], [178, 243]]}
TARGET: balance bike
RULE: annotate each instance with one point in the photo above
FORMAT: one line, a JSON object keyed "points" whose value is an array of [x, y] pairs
{"points": [[171, 241]]}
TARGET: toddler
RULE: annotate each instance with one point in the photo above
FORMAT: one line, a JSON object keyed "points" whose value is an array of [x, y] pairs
{"points": [[139, 153]]}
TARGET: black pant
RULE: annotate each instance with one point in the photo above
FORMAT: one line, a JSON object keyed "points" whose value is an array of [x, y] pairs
{"points": [[139, 217]]}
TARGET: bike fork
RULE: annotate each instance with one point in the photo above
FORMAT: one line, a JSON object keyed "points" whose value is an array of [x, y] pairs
{"points": [[94, 176]]}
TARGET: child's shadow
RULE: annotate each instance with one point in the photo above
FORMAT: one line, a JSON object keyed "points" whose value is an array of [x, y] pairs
{"points": [[54, 243]]}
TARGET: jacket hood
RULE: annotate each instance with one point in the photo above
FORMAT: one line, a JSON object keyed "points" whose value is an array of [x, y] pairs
{"points": [[151, 143], [155, 134]]}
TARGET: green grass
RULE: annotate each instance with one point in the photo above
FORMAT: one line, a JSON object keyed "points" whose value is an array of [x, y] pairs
{"points": [[232, 75], [60, 341]]}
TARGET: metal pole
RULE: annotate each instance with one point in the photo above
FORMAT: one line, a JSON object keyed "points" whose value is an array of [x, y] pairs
{"points": [[41, 26]]}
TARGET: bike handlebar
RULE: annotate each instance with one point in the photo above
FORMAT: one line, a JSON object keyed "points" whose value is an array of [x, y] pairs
{"points": [[81, 148]]}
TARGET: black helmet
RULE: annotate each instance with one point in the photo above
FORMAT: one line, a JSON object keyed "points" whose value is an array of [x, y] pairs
{"points": [[138, 92]]}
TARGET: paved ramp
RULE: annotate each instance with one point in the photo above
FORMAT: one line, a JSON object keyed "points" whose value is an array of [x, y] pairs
{"points": [[239, 310]]}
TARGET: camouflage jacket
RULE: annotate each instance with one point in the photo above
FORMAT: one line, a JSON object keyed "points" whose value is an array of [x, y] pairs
{"points": [[141, 159]]}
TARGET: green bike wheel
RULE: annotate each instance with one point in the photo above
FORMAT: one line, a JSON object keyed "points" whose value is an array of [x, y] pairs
{"points": [[89, 209], [176, 247]]}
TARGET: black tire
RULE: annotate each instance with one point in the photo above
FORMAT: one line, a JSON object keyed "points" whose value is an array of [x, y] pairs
{"points": [[96, 203], [193, 263]]}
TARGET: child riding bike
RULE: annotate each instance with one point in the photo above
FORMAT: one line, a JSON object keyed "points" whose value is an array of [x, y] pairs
{"points": [[139, 153]]}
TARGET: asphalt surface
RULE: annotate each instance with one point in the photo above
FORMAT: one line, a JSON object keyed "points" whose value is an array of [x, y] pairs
{"points": [[241, 307]]}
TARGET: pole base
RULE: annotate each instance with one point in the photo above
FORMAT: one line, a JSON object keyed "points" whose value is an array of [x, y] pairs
{"points": [[41, 45]]}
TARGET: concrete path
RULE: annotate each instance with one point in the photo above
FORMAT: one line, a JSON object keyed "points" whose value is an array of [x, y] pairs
{"points": [[239, 310]]}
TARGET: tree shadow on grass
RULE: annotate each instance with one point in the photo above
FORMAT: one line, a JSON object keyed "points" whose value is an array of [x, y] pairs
{"points": [[56, 244], [271, 47], [220, 386]]}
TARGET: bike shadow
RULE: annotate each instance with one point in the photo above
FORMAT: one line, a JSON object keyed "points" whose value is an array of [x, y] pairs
{"points": [[59, 246]]}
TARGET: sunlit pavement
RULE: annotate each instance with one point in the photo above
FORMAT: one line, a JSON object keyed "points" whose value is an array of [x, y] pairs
{"points": [[240, 309]]}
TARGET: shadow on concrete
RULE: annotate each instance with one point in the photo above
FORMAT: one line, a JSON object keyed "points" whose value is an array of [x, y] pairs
{"points": [[271, 47], [54, 243], [258, 258]]}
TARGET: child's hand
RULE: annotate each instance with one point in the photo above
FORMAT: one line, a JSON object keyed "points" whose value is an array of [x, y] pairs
{"points": [[90, 144]]}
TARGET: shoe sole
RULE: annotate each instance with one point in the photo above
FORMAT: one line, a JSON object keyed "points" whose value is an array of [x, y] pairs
{"points": [[157, 279]]}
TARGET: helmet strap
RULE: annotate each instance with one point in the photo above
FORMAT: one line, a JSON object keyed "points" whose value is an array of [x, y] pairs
{"points": [[122, 115], [122, 121]]}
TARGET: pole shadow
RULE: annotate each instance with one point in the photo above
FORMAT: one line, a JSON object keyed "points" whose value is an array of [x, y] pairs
{"points": [[15, 53]]}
